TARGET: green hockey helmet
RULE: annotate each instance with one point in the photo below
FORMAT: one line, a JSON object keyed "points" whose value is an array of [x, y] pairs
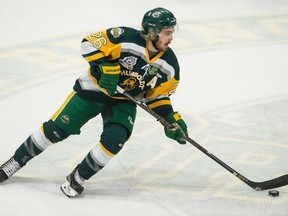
{"points": [[155, 20]]}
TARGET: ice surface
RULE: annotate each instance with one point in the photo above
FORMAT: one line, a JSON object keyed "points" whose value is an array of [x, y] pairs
{"points": [[233, 96]]}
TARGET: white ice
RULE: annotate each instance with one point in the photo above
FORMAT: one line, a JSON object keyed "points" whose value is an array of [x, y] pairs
{"points": [[233, 95]]}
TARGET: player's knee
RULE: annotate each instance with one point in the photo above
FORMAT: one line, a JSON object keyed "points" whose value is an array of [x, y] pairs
{"points": [[113, 137], [53, 132]]}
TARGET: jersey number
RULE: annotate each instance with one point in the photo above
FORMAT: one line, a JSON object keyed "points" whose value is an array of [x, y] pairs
{"points": [[97, 39]]}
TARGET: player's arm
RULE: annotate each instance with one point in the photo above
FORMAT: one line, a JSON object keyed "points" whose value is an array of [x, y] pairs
{"points": [[102, 55], [158, 100], [97, 48]]}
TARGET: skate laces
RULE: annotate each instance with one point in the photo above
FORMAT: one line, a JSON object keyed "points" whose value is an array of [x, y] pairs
{"points": [[11, 167]]}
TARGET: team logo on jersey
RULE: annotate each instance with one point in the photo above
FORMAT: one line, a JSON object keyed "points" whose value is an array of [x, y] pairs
{"points": [[153, 71], [116, 32], [128, 84], [149, 70], [128, 62]]}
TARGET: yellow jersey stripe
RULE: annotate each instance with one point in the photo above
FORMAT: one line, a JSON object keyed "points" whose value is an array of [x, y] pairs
{"points": [[95, 57], [154, 58], [159, 103]]}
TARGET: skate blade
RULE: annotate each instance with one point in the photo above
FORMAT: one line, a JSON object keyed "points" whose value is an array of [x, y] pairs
{"points": [[68, 191]]}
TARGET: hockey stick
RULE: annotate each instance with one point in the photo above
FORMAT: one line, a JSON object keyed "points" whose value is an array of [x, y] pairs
{"points": [[265, 185]]}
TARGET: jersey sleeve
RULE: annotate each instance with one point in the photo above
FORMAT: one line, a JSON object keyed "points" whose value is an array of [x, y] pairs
{"points": [[158, 99], [97, 48]]}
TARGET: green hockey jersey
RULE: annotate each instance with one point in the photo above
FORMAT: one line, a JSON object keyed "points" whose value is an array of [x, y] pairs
{"points": [[150, 79]]}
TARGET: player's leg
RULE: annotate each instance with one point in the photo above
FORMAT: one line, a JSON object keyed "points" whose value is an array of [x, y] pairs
{"points": [[35, 144], [118, 125], [71, 116]]}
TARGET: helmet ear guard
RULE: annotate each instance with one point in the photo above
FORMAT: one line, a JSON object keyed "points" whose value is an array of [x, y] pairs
{"points": [[150, 33]]}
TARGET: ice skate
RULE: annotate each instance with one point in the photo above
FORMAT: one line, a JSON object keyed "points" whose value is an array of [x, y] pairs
{"points": [[8, 169], [73, 185]]}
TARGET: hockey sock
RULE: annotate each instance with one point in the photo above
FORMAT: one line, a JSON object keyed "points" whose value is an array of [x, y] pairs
{"points": [[113, 138], [88, 167], [33, 146]]}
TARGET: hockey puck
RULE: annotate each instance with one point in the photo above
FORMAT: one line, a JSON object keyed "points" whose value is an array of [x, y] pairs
{"points": [[273, 193]]}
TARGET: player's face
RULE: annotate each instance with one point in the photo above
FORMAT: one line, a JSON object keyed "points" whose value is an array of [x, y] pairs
{"points": [[165, 38]]}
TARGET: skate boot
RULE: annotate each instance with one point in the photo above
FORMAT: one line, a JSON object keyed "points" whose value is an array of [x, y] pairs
{"points": [[74, 184], [8, 169]]}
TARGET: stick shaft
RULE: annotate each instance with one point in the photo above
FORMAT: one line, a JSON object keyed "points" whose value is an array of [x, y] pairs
{"points": [[273, 183]]}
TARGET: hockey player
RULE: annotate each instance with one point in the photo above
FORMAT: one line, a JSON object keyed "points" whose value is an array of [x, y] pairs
{"points": [[142, 63]]}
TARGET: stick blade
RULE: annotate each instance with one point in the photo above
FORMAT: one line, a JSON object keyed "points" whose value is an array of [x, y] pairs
{"points": [[270, 184]]}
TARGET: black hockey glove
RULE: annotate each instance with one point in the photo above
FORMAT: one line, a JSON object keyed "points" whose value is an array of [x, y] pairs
{"points": [[179, 129], [109, 77]]}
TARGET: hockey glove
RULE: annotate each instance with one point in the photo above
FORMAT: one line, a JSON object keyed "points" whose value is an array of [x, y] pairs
{"points": [[110, 74], [178, 129]]}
